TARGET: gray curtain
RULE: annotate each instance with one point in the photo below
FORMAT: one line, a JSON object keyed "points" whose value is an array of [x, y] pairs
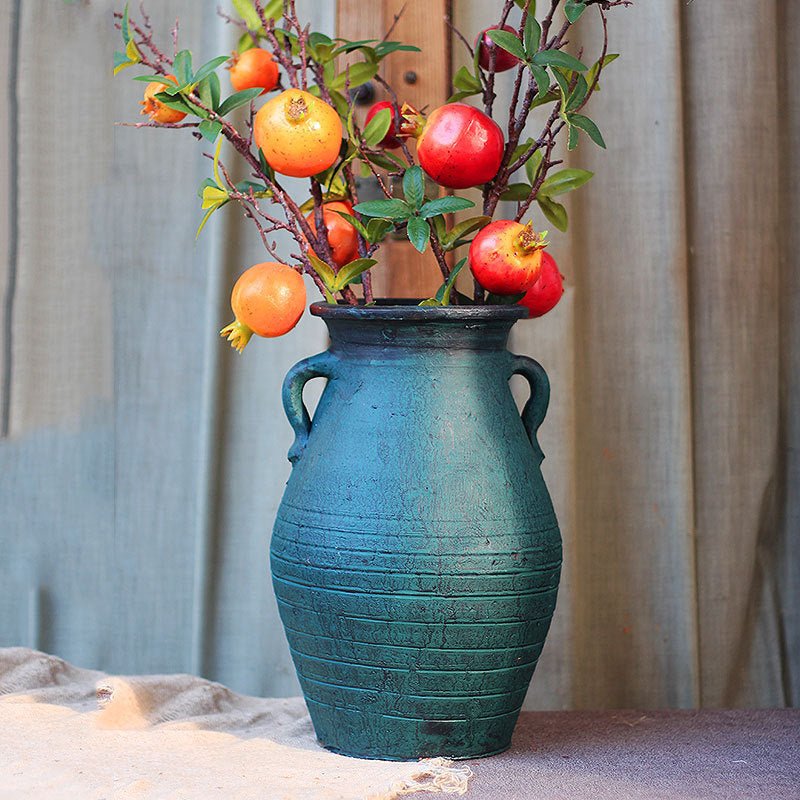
{"points": [[142, 463]]}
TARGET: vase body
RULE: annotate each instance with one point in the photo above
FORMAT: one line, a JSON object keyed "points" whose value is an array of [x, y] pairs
{"points": [[415, 555]]}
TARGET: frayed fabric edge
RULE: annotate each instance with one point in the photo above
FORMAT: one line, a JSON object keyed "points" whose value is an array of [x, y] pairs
{"points": [[435, 775]]}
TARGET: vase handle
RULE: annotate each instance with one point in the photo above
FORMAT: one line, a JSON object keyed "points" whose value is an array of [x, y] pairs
{"points": [[535, 409], [318, 366]]}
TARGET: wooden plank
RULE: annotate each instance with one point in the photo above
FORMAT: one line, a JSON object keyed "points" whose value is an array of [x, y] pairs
{"points": [[422, 79]]}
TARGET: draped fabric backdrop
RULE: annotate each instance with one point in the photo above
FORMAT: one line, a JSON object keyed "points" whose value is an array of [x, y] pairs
{"points": [[142, 462]]}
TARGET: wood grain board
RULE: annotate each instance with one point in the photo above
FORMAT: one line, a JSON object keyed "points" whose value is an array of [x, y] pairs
{"points": [[421, 79]]}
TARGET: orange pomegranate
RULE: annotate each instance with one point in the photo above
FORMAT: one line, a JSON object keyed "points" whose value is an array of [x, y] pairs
{"points": [[155, 109], [342, 236], [252, 69], [299, 134], [268, 299]]}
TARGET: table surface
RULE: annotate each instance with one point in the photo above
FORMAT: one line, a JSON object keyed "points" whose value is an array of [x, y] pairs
{"points": [[67, 733], [645, 755]]}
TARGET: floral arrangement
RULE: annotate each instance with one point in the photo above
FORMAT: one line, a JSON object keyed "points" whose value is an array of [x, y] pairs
{"points": [[306, 128]]}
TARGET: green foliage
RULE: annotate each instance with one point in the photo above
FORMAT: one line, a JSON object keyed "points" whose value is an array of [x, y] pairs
{"points": [[466, 84], [442, 296], [508, 41], [377, 127], [563, 181], [555, 212], [395, 209], [445, 205], [414, 187], [349, 272], [558, 58], [455, 236], [532, 36], [419, 233], [238, 99], [573, 9], [587, 125]]}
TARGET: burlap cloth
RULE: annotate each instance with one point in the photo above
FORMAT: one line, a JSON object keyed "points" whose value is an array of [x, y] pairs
{"points": [[74, 734]]}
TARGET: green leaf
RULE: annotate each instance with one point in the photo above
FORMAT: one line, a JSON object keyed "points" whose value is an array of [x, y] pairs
{"points": [[208, 68], [532, 165], [182, 67], [578, 93], [592, 74], [462, 229], [563, 181], [516, 192], [387, 161], [258, 188], [555, 212], [349, 272], [572, 141], [377, 229], [210, 129], [356, 223], [273, 9], [213, 85], [587, 125], [419, 233], [442, 297], [445, 205], [208, 91], [520, 150], [531, 5], [238, 99], [558, 58], [547, 97], [247, 11], [507, 41], [466, 81], [177, 102], [383, 49], [326, 274], [206, 182], [414, 186], [541, 78], [533, 35], [573, 9], [563, 84], [120, 62], [378, 127], [358, 74], [125, 26], [386, 209]]}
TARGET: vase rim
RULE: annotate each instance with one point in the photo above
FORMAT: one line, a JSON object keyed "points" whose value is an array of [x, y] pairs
{"points": [[402, 309]]}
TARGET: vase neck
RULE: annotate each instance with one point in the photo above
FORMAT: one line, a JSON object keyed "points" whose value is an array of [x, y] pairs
{"points": [[401, 336]]}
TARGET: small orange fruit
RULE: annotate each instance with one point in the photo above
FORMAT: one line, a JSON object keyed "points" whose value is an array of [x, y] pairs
{"points": [[299, 134], [155, 109], [342, 236], [252, 69], [268, 299]]}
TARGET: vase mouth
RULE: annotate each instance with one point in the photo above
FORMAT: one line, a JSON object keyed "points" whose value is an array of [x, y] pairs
{"points": [[410, 310]]}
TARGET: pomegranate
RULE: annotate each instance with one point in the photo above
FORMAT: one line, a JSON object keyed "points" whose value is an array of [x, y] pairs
{"points": [[459, 146], [547, 289], [506, 256]]}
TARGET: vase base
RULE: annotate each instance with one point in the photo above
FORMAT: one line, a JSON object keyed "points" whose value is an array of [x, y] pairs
{"points": [[375, 736]]}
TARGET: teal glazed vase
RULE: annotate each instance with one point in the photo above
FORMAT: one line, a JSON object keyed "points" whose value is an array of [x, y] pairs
{"points": [[415, 555]]}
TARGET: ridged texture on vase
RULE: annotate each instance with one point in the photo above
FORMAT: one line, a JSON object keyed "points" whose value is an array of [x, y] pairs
{"points": [[416, 556]]}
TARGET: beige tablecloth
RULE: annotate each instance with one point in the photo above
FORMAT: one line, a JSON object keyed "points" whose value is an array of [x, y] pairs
{"points": [[74, 734]]}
